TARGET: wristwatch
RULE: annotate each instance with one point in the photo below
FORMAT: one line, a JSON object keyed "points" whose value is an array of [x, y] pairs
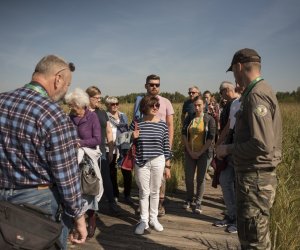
{"points": [[168, 166]]}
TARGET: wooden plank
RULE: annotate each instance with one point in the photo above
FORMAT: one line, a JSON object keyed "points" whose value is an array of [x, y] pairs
{"points": [[183, 229]]}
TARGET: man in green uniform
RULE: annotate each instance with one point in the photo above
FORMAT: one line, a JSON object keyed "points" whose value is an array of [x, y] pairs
{"points": [[256, 150]]}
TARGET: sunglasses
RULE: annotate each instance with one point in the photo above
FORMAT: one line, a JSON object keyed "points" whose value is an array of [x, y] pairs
{"points": [[114, 104], [71, 67], [156, 105], [157, 85], [192, 92]]}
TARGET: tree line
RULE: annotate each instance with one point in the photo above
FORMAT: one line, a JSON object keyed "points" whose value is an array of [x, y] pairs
{"points": [[293, 96], [177, 97]]}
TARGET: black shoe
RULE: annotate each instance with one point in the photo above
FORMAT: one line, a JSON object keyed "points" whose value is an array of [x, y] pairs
{"points": [[128, 200], [114, 208]]}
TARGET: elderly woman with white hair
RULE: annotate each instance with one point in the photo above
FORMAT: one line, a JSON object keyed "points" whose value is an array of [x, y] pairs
{"points": [[119, 125], [89, 132]]}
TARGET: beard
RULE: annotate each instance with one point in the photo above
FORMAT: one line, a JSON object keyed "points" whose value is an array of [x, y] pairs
{"points": [[59, 96], [154, 92]]}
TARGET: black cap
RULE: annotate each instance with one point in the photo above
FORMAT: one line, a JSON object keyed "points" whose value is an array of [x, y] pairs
{"points": [[243, 56]]}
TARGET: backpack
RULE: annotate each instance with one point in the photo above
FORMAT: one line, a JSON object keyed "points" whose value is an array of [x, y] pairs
{"points": [[136, 110]]}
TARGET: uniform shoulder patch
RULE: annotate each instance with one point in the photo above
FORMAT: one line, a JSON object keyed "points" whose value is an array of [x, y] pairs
{"points": [[260, 110]]}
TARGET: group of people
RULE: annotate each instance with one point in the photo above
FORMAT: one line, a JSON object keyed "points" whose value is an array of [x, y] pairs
{"points": [[41, 147]]}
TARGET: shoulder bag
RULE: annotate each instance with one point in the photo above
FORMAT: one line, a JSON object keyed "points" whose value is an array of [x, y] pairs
{"points": [[89, 181], [27, 227]]}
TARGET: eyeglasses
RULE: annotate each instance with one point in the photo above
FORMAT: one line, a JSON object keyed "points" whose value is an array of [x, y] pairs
{"points": [[96, 98], [155, 105], [157, 85], [192, 92], [114, 104]]}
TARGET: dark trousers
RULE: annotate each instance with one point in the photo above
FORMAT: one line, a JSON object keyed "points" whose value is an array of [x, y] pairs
{"points": [[127, 176], [107, 184]]}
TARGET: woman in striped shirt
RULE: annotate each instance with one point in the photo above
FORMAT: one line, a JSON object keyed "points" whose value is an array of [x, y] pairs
{"points": [[152, 161]]}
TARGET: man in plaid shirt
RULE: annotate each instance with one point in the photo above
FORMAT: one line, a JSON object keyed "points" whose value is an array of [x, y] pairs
{"points": [[38, 149]]}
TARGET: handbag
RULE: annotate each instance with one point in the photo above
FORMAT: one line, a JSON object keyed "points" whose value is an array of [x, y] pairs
{"points": [[27, 227], [89, 181], [129, 159]]}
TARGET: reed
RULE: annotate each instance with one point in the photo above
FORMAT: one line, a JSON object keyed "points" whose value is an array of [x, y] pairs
{"points": [[285, 229], [284, 221]]}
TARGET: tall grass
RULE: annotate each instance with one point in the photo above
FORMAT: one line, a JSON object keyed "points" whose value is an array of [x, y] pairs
{"points": [[285, 226], [285, 214]]}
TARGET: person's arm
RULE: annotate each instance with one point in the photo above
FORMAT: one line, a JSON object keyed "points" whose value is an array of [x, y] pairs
{"points": [[183, 115], [262, 134], [79, 234], [169, 121], [187, 147], [223, 134], [167, 153], [62, 157], [204, 148], [110, 142]]}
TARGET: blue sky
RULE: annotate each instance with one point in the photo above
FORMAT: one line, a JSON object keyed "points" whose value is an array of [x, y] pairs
{"points": [[115, 44]]}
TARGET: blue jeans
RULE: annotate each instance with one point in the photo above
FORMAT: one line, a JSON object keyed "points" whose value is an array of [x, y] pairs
{"points": [[227, 183], [47, 199]]}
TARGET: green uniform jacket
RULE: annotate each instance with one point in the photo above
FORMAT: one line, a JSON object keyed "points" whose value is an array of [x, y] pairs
{"points": [[258, 130]]}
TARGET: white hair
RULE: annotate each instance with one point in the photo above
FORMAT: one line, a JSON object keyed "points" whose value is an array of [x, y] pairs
{"points": [[226, 85], [78, 97], [111, 99]]}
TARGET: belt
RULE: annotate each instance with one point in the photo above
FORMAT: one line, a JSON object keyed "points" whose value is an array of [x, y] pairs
{"points": [[39, 187]]}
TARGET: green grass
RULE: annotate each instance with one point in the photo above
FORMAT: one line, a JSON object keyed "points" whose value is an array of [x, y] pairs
{"points": [[285, 229], [285, 214]]}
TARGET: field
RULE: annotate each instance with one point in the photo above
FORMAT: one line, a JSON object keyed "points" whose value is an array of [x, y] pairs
{"points": [[285, 229]]}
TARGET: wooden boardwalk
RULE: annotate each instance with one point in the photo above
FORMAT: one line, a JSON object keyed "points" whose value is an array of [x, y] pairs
{"points": [[183, 229]]}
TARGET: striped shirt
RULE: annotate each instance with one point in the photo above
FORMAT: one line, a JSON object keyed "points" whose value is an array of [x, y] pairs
{"points": [[152, 142], [38, 146]]}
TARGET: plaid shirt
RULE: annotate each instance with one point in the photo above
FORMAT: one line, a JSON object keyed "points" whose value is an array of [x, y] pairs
{"points": [[38, 146]]}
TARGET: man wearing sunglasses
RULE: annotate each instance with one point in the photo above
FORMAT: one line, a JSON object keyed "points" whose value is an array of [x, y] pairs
{"points": [[165, 113], [188, 105]]}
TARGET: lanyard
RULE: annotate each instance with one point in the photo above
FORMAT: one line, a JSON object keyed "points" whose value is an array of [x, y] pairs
{"points": [[251, 86], [200, 118], [37, 87]]}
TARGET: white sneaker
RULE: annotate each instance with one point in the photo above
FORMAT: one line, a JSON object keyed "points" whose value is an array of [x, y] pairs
{"points": [[156, 225], [140, 228]]}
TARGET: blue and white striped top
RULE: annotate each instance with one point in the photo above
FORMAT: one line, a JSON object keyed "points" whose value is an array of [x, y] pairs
{"points": [[153, 141]]}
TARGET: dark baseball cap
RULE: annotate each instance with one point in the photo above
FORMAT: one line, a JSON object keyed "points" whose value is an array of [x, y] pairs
{"points": [[243, 56]]}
